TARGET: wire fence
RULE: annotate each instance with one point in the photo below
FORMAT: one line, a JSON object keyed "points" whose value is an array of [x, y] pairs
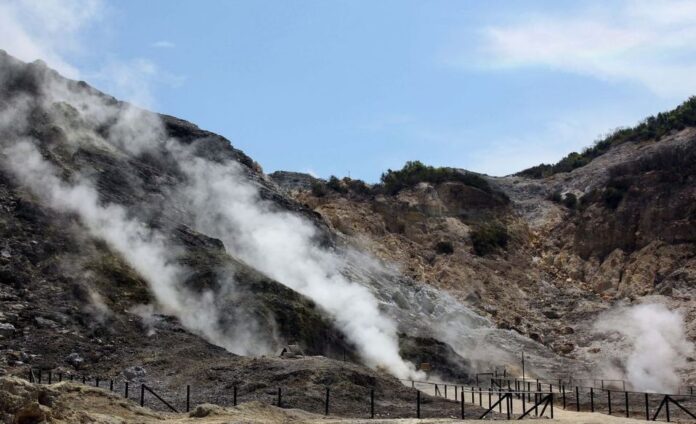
{"points": [[503, 398], [610, 398]]}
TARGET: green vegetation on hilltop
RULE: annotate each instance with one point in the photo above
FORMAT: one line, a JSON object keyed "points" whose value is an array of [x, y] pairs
{"points": [[415, 172], [412, 173], [654, 127]]}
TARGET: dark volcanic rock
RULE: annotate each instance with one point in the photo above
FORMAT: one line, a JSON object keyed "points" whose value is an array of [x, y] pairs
{"points": [[76, 291], [445, 364], [293, 180]]}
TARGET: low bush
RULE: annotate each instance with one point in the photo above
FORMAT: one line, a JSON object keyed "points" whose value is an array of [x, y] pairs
{"points": [[319, 189], [357, 186], [444, 247], [555, 197], [489, 238], [336, 185]]}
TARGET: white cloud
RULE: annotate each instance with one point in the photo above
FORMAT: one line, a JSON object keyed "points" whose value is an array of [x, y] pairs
{"points": [[47, 29], [646, 42], [163, 44]]}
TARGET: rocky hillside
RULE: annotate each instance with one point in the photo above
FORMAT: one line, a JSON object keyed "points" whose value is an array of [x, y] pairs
{"points": [[139, 246], [137, 241], [617, 230]]}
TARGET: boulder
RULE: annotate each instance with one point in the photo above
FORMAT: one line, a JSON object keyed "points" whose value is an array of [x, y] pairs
{"points": [[42, 322], [7, 329], [75, 360], [134, 373], [206, 409]]}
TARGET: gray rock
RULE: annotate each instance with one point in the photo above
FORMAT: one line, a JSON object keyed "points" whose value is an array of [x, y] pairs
{"points": [[75, 360], [6, 329], [42, 322], [551, 314], [205, 410], [9, 317], [293, 180], [134, 372]]}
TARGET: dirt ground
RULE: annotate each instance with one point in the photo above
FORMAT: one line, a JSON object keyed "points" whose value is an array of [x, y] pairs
{"points": [[22, 402]]}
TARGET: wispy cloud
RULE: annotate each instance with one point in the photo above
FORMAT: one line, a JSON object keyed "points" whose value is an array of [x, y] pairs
{"points": [[52, 30], [47, 29], [561, 135], [503, 154], [135, 80], [652, 43], [163, 44]]}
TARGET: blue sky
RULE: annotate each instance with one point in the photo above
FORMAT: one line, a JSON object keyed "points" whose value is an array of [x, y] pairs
{"points": [[356, 87]]}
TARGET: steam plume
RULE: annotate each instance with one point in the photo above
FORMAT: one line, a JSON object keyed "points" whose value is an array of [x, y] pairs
{"points": [[278, 243], [657, 342], [147, 251], [283, 245]]}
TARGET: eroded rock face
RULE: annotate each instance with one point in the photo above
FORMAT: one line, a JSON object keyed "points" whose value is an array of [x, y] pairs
{"points": [[24, 402], [560, 268], [293, 181], [579, 261]]}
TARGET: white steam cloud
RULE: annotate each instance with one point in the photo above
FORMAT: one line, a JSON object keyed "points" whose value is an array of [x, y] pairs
{"points": [[47, 29], [277, 243], [224, 203], [656, 340], [283, 245], [146, 250]]}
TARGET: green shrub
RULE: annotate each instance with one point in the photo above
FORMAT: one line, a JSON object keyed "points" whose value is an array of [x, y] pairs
{"points": [[587, 198], [615, 191], [613, 197], [444, 247], [556, 197], [415, 172], [336, 185], [357, 186], [489, 238], [319, 189]]}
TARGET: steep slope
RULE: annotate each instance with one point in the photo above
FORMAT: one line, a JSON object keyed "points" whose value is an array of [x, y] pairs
{"points": [[131, 238], [68, 289], [427, 231]]}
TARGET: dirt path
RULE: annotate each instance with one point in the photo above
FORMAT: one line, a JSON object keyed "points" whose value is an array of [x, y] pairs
{"points": [[560, 415]]}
